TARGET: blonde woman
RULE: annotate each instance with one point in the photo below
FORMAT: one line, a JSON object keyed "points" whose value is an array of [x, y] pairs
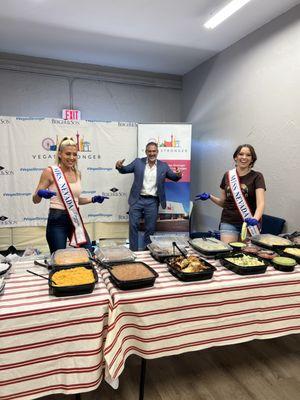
{"points": [[62, 185]]}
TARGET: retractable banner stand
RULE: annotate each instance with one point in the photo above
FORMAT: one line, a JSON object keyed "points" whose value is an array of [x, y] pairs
{"points": [[174, 145], [29, 146]]}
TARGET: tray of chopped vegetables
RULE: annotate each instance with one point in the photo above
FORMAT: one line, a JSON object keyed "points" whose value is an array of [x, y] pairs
{"points": [[244, 264]]}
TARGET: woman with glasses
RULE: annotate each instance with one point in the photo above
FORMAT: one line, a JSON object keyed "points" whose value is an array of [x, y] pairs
{"points": [[61, 184]]}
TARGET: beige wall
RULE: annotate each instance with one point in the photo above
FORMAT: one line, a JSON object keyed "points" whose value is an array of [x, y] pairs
{"points": [[249, 93], [35, 237]]}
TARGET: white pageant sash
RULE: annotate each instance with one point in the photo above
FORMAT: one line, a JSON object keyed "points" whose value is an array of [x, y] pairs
{"points": [[78, 236], [239, 198]]}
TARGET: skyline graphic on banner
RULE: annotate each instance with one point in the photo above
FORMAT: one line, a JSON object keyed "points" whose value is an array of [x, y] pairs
{"points": [[82, 145]]}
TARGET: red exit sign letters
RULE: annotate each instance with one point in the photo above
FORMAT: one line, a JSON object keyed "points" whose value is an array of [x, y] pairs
{"points": [[71, 114]]}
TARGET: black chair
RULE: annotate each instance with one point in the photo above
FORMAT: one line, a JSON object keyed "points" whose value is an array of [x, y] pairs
{"points": [[273, 225], [193, 232]]}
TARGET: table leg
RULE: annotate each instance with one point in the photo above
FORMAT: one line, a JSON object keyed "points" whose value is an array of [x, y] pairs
{"points": [[142, 378]]}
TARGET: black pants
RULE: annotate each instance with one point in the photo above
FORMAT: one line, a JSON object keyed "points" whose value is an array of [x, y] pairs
{"points": [[59, 229]]}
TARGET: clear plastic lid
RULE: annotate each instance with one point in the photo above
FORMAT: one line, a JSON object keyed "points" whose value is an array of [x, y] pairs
{"points": [[165, 249], [210, 245], [270, 240], [70, 256], [111, 254], [167, 240]]}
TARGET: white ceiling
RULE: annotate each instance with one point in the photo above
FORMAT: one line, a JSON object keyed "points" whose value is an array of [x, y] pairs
{"points": [[152, 35]]}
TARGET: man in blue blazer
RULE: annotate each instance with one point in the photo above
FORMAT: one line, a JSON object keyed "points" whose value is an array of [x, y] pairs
{"points": [[147, 191]]}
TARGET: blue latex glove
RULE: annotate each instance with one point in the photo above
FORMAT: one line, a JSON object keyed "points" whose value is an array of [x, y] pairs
{"points": [[45, 194], [202, 196], [251, 221], [99, 199]]}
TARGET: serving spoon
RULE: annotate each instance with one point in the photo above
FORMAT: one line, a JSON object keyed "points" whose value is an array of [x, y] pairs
{"points": [[41, 276]]}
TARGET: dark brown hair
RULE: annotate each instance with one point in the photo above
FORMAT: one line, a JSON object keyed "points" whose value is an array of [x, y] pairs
{"points": [[252, 151]]}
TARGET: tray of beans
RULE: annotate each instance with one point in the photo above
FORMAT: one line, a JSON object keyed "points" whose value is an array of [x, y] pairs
{"points": [[132, 275], [244, 264]]}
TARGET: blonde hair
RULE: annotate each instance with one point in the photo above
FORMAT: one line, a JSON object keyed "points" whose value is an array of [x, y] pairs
{"points": [[66, 141]]}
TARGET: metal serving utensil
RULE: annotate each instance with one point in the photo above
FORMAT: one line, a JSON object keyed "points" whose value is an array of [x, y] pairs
{"points": [[41, 276], [181, 252]]}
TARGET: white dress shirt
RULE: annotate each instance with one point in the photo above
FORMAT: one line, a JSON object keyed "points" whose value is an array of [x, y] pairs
{"points": [[149, 187]]}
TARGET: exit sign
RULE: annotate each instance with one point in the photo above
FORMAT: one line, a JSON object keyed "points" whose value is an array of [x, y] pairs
{"points": [[71, 114]]}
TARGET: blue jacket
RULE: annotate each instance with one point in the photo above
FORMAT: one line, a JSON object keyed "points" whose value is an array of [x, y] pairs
{"points": [[138, 168]]}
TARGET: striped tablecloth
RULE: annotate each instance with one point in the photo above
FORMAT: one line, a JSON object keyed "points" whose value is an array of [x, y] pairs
{"points": [[175, 317], [48, 344]]}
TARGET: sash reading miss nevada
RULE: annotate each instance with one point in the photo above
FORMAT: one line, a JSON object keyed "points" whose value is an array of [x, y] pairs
{"points": [[239, 198], [78, 236]]}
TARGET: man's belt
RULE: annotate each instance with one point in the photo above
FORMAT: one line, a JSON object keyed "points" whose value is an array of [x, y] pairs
{"points": [[148, 196]]}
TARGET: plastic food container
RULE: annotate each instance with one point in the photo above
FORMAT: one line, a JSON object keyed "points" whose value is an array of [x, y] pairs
{"points": [[72, 290], [270, 241], [2, 283], [266, 254], [113, 254], [237, 245], [70, 257], [292, 252], [210, 246], [162, 253], [4, 269], [233, 263], [133, 275], [285, 264], [184, 274]]}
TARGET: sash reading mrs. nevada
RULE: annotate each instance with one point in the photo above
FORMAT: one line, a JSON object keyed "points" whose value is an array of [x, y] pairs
{"points": [[78, 236], [239, 198]]}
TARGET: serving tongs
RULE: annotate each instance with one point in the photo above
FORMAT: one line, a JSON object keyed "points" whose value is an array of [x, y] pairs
{"points": [[101, 265], [181, 252], [40, 264], [41, 276]]}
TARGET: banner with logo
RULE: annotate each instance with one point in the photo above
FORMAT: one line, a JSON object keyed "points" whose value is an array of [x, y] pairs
{"points": [[29, 145], [174, 145]]}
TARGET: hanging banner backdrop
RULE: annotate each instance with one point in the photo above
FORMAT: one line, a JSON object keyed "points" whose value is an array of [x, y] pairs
{"points": [[174, 145], [29, 145]]}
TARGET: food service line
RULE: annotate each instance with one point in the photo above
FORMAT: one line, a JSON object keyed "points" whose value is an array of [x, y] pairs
{"points": [[55, 345], [175, 317]]}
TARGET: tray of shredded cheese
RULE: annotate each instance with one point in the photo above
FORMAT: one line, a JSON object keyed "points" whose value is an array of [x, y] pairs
{"points": [[70, 281]]}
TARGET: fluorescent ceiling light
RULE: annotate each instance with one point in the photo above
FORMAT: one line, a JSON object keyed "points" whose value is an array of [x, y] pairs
{"points": [[224, 13]]}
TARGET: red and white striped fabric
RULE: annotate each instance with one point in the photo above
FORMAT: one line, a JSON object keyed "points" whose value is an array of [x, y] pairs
{"points": [[48, 344], [175, 317]]}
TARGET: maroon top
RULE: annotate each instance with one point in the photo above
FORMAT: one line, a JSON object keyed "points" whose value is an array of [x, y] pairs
{"points": [[249, 183]]}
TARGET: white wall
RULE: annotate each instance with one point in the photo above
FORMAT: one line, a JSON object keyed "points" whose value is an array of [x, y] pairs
{"points": [[249, 93]]}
